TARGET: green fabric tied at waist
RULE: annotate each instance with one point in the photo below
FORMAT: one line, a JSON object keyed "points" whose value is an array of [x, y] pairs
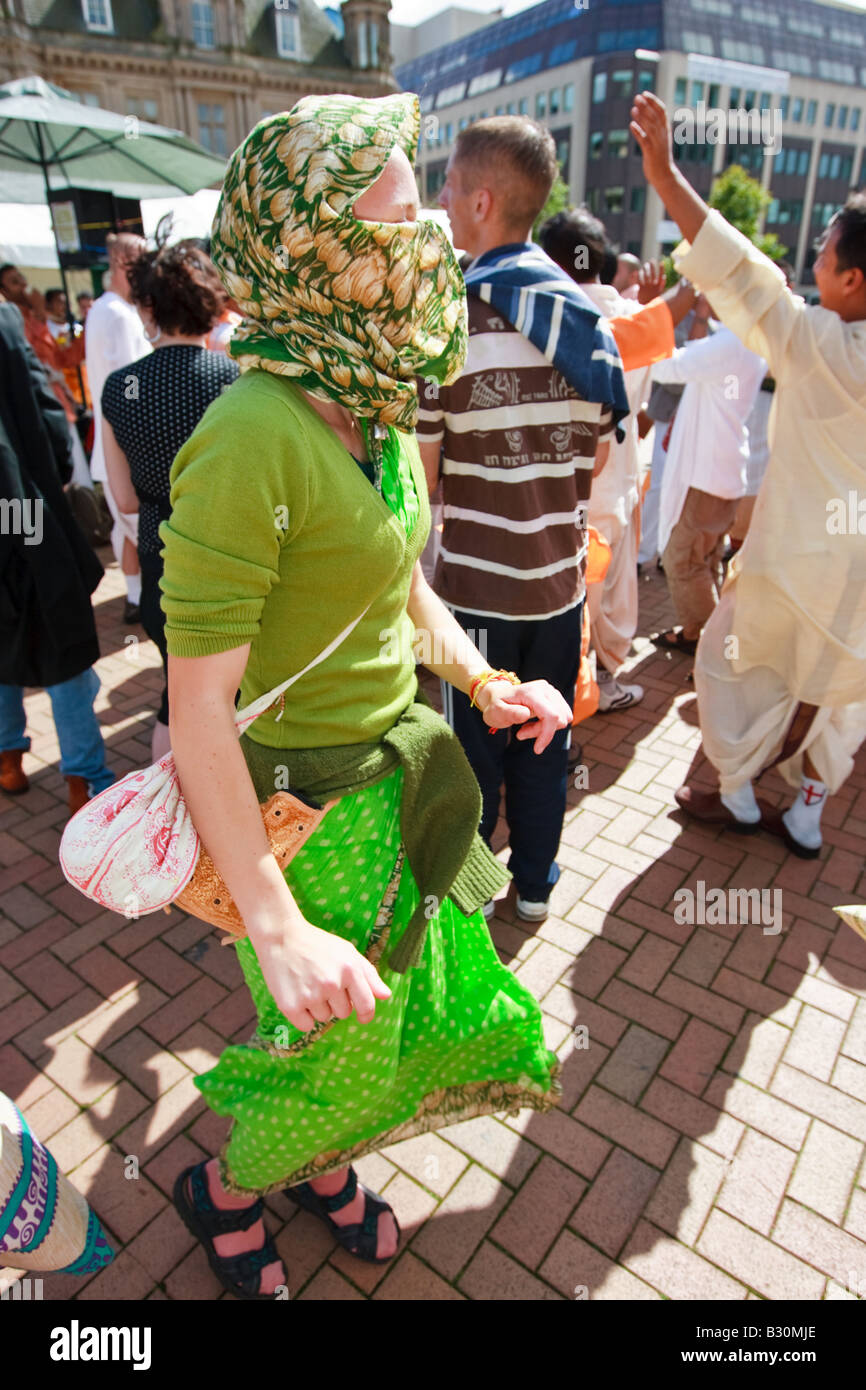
{"points": [[439, 814]]}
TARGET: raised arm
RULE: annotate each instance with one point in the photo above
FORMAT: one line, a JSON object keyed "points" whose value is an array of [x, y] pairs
{"points": [[747, 290]]}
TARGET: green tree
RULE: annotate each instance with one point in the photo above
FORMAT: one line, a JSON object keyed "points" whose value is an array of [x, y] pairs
{"points": [[741, 200], [558, 199]]}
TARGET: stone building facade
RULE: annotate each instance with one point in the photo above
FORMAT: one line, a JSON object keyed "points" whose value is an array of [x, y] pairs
{"points": [[211, 68]]}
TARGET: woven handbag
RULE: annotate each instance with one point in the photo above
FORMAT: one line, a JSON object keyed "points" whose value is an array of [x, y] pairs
{"points": [[134, 849]]}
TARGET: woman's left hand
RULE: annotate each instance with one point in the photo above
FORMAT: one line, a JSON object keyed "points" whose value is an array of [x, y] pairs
{"points": [[536, 705]]}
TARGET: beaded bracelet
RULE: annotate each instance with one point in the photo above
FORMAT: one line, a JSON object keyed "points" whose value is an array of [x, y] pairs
{"points": [[479, 682]]}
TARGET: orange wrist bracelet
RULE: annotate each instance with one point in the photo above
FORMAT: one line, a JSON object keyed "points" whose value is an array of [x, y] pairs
{"points": [[480, 681]]}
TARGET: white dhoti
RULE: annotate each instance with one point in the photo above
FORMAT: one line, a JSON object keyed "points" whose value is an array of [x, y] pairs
{"points": [[650, 518], [746, 715], [613, 604], [125, 525]]}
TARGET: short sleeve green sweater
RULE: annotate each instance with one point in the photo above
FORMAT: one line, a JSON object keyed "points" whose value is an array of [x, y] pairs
{"points": [[277, 538]]}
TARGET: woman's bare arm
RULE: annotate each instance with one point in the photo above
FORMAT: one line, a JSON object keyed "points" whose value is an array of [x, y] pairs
{"points": [[447, 651], [312, 974], [117, 468]]}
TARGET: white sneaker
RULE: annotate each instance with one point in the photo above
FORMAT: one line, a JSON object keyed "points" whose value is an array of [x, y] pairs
{"points": [[612, 695], [532, 911]]}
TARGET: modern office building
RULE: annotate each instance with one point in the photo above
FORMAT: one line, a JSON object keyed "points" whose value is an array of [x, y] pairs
{"points": [[211, 68], [799, 66]]}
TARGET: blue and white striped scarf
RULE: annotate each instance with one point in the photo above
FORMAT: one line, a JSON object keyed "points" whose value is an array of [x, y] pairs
{"points": [[543, 303]]}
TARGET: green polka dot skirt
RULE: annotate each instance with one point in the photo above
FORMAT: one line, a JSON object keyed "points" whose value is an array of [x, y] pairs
{"points": [[460, 1035]]}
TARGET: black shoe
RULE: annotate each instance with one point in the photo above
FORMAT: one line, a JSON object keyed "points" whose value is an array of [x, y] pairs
{"points": [[131, 612]]}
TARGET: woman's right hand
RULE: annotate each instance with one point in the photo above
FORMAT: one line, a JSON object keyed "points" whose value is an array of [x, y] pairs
{"points": [[315, 976]]}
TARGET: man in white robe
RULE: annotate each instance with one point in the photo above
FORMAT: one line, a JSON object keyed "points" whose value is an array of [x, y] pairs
{"points": [[115, 337], [781, 668]]}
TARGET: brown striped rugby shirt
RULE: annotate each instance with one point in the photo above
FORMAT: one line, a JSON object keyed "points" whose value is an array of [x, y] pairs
{"points": [[519, 448]]}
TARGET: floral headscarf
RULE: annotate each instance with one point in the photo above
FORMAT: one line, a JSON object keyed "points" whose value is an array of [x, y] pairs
{"points": [[353, 311]]}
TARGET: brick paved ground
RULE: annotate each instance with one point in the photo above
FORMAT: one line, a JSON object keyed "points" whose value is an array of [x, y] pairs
{"points": [[711, 1139]]}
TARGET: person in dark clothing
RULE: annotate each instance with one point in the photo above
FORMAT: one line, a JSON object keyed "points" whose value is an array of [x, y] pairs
{"points": [[47, 574]]}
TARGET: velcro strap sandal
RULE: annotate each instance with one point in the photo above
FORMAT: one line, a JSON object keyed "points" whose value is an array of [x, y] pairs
{"points": [[362, 1237], [240, 1274]]}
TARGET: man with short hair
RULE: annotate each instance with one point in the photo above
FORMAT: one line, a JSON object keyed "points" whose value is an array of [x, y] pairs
{"points": [[115, 337], [780, 671], [85, 304], [520, 432]]}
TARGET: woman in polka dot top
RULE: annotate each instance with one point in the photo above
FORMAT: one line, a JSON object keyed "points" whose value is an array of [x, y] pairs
{"points": [[151, 407]]}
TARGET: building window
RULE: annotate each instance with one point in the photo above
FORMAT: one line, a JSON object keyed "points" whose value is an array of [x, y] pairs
{"points": [[829, 113], [842, 119], [563, 154], [146, 108], [97, 16], [568, 97], [773, 211], [680, 91], [751, 98], [524, 106], [714, 94], [823, 162], [599, 86], [499, 111], [286, 20], [803, 160], [811, 112], [463, 123], [555, 101], [87, 98], [784, 106], [697, 93], [855, 117], [596, 140], [765, 101], [591, 200], [734, 98], [613, 199], [202, 24], [511, 109], [797, 110], [622, 82], [646, 80], [212, 128], [617, 143], [449, 132], [541, 106], [637, 199]]}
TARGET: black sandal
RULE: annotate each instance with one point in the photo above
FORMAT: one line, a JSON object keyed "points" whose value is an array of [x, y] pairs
{"points": [[360, 1239], [237, 1273], [672, 640]]}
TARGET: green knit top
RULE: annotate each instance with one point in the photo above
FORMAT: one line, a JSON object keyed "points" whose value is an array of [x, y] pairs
{"points": [[277, 538]]}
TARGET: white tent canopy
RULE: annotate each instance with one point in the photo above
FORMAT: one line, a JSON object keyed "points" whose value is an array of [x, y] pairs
{"points": [[27, 240]]}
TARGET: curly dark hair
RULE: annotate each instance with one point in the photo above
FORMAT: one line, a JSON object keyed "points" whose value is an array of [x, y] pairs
{"points": [[180, 287]]}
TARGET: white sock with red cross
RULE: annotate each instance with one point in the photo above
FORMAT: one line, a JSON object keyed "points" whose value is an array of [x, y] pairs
{"points": [[803, 819]]}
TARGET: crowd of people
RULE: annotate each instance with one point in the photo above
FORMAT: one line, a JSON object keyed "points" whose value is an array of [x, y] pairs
{"points": [[550, 397]]}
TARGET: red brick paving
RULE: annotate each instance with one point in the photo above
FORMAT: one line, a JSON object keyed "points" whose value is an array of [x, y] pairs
{"points": [[711, 1139]]}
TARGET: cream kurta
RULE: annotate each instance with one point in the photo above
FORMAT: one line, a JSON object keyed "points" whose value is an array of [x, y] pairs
{"points": [[799, 588]]}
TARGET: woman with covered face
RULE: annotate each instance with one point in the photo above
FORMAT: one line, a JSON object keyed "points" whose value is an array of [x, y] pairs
{"points": [[299, 513]]}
